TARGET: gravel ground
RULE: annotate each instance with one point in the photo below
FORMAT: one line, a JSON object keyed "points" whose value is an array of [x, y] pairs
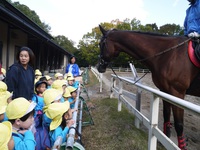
{"points": [[191, 121]]}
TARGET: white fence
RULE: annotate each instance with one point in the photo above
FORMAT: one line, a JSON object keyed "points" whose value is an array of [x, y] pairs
{"points": [[152, 123], [99, 77]]}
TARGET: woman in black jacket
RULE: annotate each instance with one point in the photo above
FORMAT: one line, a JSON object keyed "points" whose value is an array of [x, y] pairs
{"points": [[20, 76]]}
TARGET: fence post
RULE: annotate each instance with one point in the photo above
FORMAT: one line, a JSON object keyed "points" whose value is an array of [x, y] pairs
{"points": [[138, 104], [119, 96], [154, 110], [112, 85], [100, 80]]}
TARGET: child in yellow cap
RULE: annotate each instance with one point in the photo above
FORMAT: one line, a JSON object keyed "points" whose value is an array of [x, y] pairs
{"points": [[72, 99], [4, 94], [58, 76], [6, 140], [50, 96], [5, 98], [20, 113], [59, 113], [59, 85], [49, 81], [71, 80]]}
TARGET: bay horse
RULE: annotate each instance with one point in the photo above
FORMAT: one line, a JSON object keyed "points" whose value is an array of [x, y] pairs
{"points": [[167, 59]]}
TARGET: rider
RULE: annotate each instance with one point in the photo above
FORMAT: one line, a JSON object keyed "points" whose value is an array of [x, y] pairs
{"points": [[192, 25], [192, 19]]}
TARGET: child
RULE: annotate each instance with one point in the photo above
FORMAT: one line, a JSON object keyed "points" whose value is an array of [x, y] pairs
{"points": [[58, 76], [61, 122], [5, 98], [2, 113], [6, 140], [49, 81], [71, 81], [73, 93], [40, 87], [50, 96], [20, 113], [67, 94], [5, 95], [59, 85], [38, 74]]}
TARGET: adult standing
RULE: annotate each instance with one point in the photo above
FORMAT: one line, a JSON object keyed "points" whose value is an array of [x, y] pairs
{"points": [[192, 19], [20, 76], [72, 67]]}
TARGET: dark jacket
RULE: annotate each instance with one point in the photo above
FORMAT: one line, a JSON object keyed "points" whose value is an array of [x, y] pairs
{"points": [[20, 81]]}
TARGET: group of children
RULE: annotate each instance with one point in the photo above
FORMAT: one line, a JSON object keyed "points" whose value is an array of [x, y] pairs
{"points": [[51, 107]]}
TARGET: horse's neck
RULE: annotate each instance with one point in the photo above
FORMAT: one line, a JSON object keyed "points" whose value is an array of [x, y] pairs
{"points": [[144, 47]]}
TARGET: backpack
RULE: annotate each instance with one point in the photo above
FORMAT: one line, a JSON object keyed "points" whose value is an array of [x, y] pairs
{"points": [[42, 133]]}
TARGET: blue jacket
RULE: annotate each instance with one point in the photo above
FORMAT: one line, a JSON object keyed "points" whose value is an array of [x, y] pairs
{"points": [[24, 142], [20, 81], [75, 69], [58, 132], [40, 103], [192, 19]]}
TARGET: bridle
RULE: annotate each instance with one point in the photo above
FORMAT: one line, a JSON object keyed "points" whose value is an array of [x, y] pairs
{"points": [[102, 45]]}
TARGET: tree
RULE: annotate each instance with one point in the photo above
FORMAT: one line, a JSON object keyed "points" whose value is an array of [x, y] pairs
{"points": [[32, 15], [171, 29], [65, 43]]}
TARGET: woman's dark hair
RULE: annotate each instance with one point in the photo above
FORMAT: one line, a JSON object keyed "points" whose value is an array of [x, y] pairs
{"points": [[24, 118], [31, 55], [71, 58]]}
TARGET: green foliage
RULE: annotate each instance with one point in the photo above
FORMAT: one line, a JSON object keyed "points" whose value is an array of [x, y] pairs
{"points": [[32, 15], [171, 29], [65, 43]]}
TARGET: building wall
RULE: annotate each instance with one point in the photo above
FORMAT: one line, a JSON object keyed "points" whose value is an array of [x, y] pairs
{"points": [[16, 38]]}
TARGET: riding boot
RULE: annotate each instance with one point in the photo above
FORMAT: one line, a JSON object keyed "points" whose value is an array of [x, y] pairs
{"points": [[166, 129], [182, 142]]}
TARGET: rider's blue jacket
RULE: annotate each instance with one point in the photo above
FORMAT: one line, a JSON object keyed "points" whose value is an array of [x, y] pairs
{"points": [[192, 19]]}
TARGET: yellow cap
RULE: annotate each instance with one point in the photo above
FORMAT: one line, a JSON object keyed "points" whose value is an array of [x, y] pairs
{"points": [[37, 72], [71, 89], [2, 109], [48, 77], [66, 93], [58, 75], [4, 94], [69, 75], [19, 107], [5, 134], [55, 112], [57, 84], [3, 71], [51, 95]]}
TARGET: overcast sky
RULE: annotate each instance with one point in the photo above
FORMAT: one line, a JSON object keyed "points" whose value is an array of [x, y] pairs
{"points": [[75, 18]]}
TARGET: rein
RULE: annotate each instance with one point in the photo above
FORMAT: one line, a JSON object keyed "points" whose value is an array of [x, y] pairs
{"points": [[165, 51], [135, 81]]}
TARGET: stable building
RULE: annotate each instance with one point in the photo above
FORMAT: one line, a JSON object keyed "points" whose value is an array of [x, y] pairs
{"points": [[17, 30]]}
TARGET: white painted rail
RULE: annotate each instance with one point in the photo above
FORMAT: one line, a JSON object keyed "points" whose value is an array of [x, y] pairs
{"points": [[152, 123], [99, 77]]}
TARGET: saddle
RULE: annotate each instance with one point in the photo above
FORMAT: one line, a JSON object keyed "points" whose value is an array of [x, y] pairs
{"points": [[194, 51]]}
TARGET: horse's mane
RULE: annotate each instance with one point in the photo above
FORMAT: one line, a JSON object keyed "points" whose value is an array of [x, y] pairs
{"points": [[146, 33]]}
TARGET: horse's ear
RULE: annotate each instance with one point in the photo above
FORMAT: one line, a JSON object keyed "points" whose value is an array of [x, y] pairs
{"points": [[103, 31]]}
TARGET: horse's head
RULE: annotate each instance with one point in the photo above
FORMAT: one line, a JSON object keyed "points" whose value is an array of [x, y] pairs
{"points": [[106, 51]]}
